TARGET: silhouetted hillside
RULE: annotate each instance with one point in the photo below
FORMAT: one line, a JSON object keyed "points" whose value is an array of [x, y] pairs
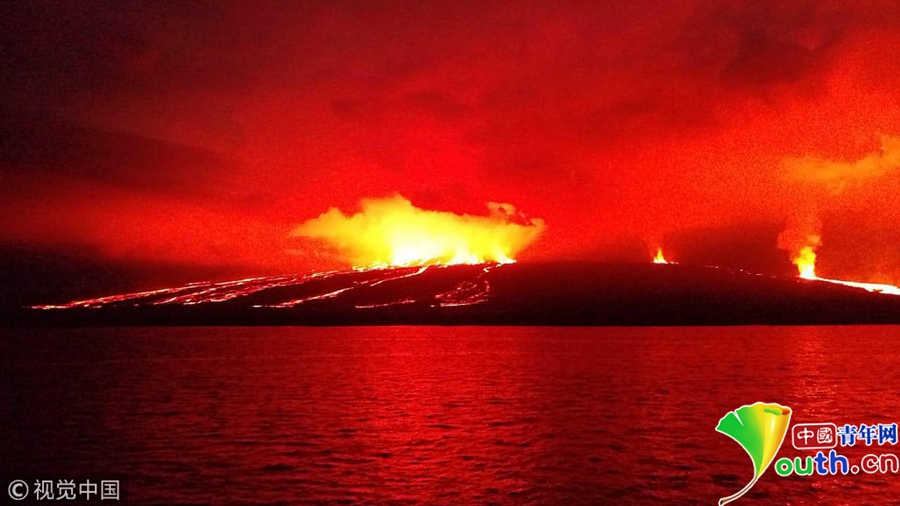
{"points": [[518, 294]]}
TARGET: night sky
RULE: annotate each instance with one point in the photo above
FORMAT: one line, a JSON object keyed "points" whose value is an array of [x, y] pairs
{"points": [[155, 142]]}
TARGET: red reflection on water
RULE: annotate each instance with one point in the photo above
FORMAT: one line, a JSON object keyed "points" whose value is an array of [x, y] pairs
{"points": [[438, 415]]}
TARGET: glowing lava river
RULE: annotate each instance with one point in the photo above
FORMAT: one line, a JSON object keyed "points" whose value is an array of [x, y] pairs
{"points": [[363, 289], [561, 293]]}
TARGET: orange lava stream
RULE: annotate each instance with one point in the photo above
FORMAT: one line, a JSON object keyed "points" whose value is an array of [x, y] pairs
{"points": [[871, 287], [806, 264], [335, 293], [468, 292]]}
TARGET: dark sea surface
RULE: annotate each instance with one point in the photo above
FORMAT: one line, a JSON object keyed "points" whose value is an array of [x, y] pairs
{"points": [[436, 415]]}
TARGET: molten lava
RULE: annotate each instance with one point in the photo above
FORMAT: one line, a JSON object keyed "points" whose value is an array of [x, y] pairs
{"points": [[806, 264], [371, 289], [393, 232], [659, 258]]}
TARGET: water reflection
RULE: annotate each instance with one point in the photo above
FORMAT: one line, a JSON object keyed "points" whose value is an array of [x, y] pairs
{"points": [[437, 415]]}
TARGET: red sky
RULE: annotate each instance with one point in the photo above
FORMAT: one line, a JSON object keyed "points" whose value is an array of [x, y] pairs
{"points": [[201, 133]]}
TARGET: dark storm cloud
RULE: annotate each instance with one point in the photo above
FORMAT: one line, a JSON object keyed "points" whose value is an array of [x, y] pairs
{"points": [[674, 79], [556, 61], [32, 274], [753, 45], [42, 148], [56, 49]]}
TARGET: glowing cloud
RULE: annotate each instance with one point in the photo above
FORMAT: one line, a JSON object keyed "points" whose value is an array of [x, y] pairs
{"points": [[392, 231], [872, 166]]}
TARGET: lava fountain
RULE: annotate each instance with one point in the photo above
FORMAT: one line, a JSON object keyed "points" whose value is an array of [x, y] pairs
{"points": [[805, 260], [392, 232], [660, 258]]}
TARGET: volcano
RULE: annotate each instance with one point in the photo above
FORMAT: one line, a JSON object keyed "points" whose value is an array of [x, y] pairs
{"points": [[488, 294]]}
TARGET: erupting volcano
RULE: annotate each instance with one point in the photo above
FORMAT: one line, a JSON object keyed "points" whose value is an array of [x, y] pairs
{"points": [[385, 244], [806, 264], [826, 185], [406, 264]]}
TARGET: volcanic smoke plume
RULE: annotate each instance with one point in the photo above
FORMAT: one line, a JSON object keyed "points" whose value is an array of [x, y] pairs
{"points": [[837, 178], [838, 174], [800, 239], [392, 231]]}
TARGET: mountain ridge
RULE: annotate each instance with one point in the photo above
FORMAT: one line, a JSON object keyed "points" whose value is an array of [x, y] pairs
{"points": [[562, 293]]}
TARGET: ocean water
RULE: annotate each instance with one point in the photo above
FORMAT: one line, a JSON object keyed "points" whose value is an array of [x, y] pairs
{"points": [[436, 415]]}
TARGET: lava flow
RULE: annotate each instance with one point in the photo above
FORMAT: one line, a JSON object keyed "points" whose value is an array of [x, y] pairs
{"points": [[806, 264], [388, 242], [365, 289]]}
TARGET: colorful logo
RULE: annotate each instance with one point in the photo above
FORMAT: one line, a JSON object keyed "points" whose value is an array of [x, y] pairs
{"points": [[759, 429]]}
